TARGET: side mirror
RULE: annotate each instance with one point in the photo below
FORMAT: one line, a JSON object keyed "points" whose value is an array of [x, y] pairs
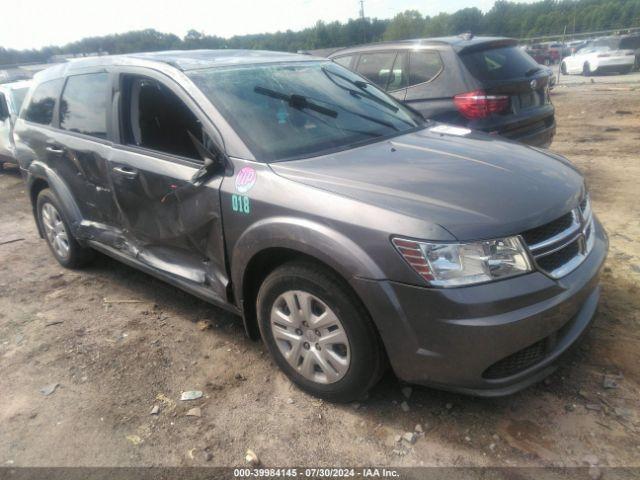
{"points": [[4, 109], [213, 162]]}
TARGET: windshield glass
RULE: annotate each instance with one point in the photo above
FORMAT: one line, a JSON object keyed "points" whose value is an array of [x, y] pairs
{"points": [[295, 110], [18, 95]]}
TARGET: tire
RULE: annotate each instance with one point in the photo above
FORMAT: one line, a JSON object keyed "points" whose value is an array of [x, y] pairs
{"points": [[586, 70], [563, 68], [325, 293], [65, 248]]}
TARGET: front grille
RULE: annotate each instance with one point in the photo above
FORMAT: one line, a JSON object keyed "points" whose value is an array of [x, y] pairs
{"points": [[529, 356], [561, 257], [538, 234], [518, 361], [558, 247]]}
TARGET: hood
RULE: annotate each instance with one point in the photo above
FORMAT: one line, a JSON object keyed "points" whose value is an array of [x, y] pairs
{"points": [[474, 185]]}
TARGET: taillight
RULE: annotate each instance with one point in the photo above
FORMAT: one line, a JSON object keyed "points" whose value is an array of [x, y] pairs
{"points": [[478, 104], [412, 253]]}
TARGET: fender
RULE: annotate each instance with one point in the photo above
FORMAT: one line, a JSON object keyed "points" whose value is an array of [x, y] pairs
{"points": [[305, 236], [38, 170]]}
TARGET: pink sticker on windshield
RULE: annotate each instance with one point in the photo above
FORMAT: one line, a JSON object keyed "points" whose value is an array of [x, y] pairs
{"points": [[246, 179]]}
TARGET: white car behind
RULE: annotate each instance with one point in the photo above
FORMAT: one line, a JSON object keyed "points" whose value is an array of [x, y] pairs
{"points": [[590, 60]]}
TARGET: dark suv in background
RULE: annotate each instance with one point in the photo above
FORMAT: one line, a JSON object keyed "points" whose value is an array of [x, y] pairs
{"points": [[483, 83]]}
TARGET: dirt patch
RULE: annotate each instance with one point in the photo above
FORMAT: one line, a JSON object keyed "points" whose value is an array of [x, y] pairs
{"points": [[115, 361]]}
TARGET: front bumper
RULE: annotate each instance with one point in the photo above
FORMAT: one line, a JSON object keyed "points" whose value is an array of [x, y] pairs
{"points": [[453, 338]]}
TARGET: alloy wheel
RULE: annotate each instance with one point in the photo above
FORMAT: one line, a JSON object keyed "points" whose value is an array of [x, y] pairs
{"points": [[310, 336], [55, 230]]}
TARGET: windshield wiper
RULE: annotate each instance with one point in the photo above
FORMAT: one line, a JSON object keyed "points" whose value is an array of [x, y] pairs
{"points": [[301, 102], [296, 101], [362, 89]]}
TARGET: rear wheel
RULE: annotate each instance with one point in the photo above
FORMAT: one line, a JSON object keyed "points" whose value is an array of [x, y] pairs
{"points": [[586, 70], [318, 333], [563, 68], [63, 245]]}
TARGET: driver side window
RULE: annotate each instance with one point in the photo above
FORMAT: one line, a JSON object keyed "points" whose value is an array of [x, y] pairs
{"points": [[156, 119]]}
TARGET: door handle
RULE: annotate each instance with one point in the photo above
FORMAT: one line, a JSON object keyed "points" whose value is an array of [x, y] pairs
{"points": [[54, 149], [126, 172]]}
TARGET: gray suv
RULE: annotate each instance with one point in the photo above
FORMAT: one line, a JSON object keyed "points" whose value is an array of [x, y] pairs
{"points": [[348, 232]]}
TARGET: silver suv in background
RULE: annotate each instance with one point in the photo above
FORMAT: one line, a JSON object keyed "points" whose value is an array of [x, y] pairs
{"points": [[11, 98], [348, 232]]}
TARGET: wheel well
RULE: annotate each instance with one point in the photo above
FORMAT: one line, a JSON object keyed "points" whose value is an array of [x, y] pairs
{"points": [[259, 267], [36, 187]]}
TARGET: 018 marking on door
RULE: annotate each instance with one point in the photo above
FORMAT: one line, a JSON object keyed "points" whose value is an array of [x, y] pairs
{"points": [[241, 204]]}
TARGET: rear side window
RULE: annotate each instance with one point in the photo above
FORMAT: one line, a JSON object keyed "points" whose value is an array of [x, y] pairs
{"points": [[499, 63], [377, 67], [83, 108], [423, 66], [630, 43], [344, 61], [400, 73], [43, 101]]}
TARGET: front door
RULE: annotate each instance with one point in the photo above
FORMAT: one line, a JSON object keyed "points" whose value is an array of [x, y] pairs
{"points": [[168, 222]]}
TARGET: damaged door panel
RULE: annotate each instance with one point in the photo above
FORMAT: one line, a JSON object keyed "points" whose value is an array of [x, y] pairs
{"points": [[81, 158], [168, 222]]}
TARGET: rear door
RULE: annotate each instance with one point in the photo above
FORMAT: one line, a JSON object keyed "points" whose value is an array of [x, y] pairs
{"points": [[170, 224], [429, 90], [79, 148]]}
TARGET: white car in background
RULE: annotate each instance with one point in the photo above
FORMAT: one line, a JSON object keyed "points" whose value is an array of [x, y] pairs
{"points": [[11, 97], [598, 59]]}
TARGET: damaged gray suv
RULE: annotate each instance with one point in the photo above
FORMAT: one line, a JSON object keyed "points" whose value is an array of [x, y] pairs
{"points": [[348, 232]]}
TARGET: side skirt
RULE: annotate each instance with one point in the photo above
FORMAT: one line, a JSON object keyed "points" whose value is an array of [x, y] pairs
{"points": [[200, 291]]}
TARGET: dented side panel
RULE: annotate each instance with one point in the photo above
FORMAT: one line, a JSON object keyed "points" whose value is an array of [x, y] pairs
{"points": [[166, 221]]}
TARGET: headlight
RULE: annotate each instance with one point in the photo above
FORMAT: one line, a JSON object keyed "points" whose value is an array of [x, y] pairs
{"points": [[456, 264]]}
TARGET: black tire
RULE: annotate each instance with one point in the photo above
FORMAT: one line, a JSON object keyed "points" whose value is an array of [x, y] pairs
{"points": [[563, 68], [586, 70], [367, 354], [77, 256]]}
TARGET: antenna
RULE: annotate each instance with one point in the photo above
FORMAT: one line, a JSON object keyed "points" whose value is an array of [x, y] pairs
{"points": [[364, 25]]}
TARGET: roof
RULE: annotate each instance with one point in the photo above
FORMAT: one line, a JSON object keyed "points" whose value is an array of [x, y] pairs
{"points": [[459, 43], [190, 59], [15, 85]]}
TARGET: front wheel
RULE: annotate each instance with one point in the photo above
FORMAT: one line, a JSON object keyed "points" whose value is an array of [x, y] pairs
{"points": [[563, 68], [586, 70], [318, 332]]}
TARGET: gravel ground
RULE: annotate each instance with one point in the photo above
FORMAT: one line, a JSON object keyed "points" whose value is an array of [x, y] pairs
{"points": [[114, 361]]}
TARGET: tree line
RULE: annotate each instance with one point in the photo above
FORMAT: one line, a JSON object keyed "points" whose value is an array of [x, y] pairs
{"points": [[505, 18]]}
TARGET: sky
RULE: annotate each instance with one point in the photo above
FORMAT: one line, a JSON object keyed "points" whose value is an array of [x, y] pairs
{"points": [[38, 23]]}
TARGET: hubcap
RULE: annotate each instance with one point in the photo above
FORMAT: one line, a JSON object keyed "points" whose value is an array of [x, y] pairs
{"points": [[55, 231], [310, 336]]}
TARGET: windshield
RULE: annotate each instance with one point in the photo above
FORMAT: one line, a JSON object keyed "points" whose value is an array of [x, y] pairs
{"points": [[295, 110], [18, 95]]}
